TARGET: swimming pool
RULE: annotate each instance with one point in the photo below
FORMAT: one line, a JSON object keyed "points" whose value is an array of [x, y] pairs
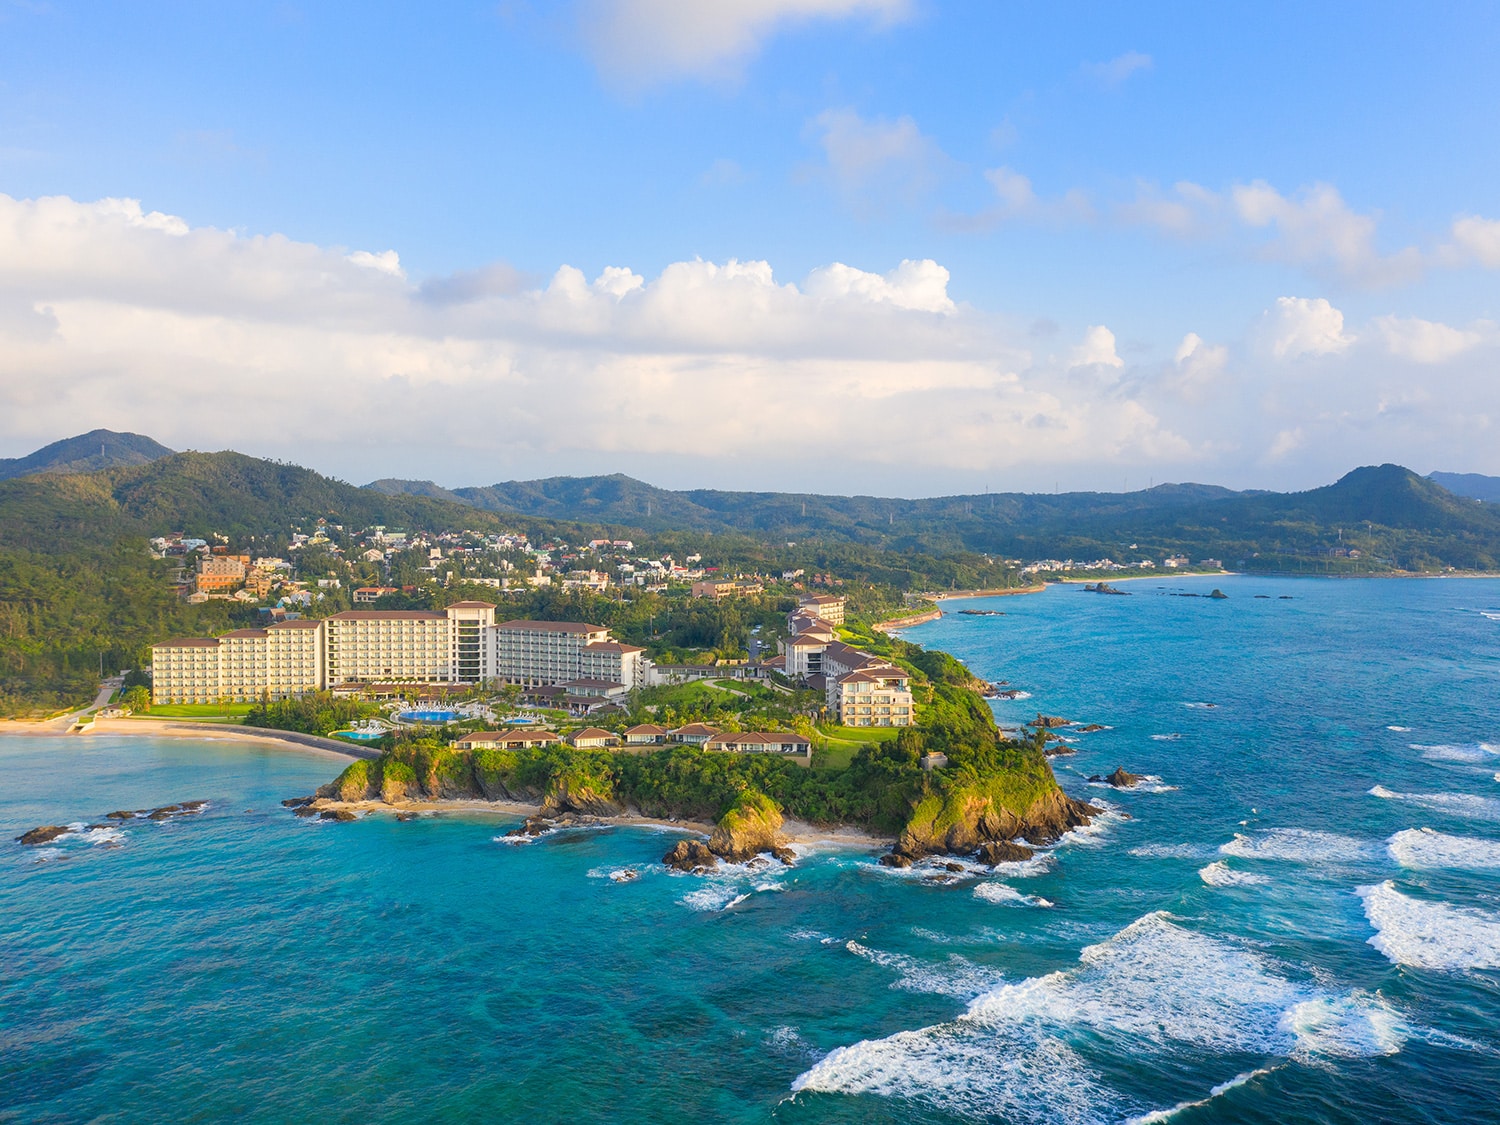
{"points": [[360, 735], [433, 716]]}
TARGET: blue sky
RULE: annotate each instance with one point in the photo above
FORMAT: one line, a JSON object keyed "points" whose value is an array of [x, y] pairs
{"points": [[1283, 219]]}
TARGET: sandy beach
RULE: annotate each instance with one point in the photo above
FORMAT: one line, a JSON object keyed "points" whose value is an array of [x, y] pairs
{"points": [[185, 729]]}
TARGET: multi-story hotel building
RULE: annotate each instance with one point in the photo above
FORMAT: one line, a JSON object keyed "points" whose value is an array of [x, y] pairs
{"points": [[872, 697], [830, 607], [458, 645]]}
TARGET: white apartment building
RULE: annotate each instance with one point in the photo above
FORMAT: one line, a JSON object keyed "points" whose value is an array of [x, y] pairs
{"points": [[458, 645], [830, 607], [874, 697]]}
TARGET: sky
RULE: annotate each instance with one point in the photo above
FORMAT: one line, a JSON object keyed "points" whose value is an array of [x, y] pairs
{"points": [[901, 247]]}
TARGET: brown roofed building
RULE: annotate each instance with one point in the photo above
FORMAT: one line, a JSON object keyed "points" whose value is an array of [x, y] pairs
{"points": [[592, 738]]}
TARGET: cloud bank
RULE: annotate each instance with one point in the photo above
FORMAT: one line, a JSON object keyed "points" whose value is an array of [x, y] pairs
{"points": [[847, 380]]}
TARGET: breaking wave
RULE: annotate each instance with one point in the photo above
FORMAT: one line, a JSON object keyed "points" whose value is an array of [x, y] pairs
{"points": [[1471, 752], [1220, 874], [1425, 849], [1154, 990], [1430, 935], [956, 976], [1300, 845], [1455, 804], [1002, 895]]}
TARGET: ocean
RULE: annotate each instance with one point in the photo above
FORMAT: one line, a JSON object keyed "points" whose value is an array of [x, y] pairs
{"points": [[1294, 918]]}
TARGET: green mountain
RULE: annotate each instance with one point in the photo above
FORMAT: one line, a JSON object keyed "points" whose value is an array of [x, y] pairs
{"points": [[86, 453], [1387, 515], [202, 494], [1477, 486], [619, 499]]}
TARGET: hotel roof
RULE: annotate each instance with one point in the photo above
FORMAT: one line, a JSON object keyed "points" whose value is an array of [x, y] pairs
{"points": [[551, 626], [189, 642], [389, 615], [472, 605]]}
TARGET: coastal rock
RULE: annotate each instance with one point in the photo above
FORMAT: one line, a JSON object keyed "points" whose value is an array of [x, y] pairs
{"points": [[120, 814], [751, 826], [1049, 722], [579, 795], [787, 857], [360, 781], [1003, 851], [340, 815], [1120, 779], [532, 826], [970, 817], [1218, 594], [291, 802], [691, 855], [1059, 750], [306, 810], [895, 859], [403, 817], [1091, 728], [43, 835]]}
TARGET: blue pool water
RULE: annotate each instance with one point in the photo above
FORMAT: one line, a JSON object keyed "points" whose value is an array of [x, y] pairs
{"points": [[1298, 922], [433, 716], [360, 735]]}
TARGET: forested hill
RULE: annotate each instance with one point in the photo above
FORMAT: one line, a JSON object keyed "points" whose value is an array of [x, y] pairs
{"points": [[86, 453], [623, 500], [1390, 517], [200, 494], [1475, 485]]}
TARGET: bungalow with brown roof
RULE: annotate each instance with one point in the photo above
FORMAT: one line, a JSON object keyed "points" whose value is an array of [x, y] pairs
{"points": [[694, 734], [645, 734], [506, 740], [592, 738], [760, 742]]}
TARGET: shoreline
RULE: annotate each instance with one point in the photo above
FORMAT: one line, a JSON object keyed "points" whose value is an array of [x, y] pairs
{"points": [[187, 729], [796, 831], [1000, 592]]}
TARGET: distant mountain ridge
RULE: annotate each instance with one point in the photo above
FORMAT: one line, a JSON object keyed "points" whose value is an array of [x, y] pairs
{"points": [[86, 453], [1475, 485]]}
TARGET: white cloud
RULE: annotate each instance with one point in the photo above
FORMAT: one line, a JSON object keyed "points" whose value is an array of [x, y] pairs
{"points": [[911, 285], [1287, 441], [1475, 239], [1114, 72], [110, 315], [870, 159], [1018, 200], [1427, 341], [1300, 326], [387, 261], [1096, 349], [642, 42], [1315, 227], [1198, 367]]}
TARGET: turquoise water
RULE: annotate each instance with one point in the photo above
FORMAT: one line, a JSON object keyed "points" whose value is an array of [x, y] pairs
{"points": [[246, 963], [360, 735]]}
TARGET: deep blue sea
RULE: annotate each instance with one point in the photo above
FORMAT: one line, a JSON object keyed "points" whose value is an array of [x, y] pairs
{"points": [[1295, 918]]}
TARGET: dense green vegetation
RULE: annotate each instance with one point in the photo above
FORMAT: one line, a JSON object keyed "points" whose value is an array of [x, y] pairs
{"points": [[320, 713]]}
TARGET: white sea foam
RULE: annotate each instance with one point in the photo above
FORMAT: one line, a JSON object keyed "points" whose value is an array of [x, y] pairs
{"points": [[1400, 730], [1472, 752], [1425, 849], [1038, 864], [809, 935], [1165, 737], [954, 976], [1220, 874], [1488, 614], [1154, 989], [1300, 845], [1170, 851], [1201, 706], [1430, 935], [1455, 804], [1145, 783], [713, 896], [1002, 895]]}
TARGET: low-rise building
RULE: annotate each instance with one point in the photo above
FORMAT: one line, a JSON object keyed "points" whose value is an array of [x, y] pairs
{"points": [[506, 740], [592, 738], [720, 588], [646, 734], [760, 742], [694, 734], [872, 697]]}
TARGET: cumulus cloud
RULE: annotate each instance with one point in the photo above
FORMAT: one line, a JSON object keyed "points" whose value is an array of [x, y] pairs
{"points": [[1096, 350], [643, 42], [114, 315], [1301, 326], [1113, 73]]}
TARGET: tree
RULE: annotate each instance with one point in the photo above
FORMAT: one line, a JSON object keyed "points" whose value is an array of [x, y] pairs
{"points": [[138, 699]]}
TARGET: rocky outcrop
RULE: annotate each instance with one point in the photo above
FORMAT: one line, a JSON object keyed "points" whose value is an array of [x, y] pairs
{"points": [[341, 815], [967, 818], [691, 855], [751, 826], [895, 859], [1120, 779], [569, 794], [531, 827], [1049, 722], [1003, 851], [43, 835], [359, 782]]}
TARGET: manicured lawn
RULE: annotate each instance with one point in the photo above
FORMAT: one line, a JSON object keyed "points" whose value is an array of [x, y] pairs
{"points": [[834, 756], [211, 712], [861, 735]]}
